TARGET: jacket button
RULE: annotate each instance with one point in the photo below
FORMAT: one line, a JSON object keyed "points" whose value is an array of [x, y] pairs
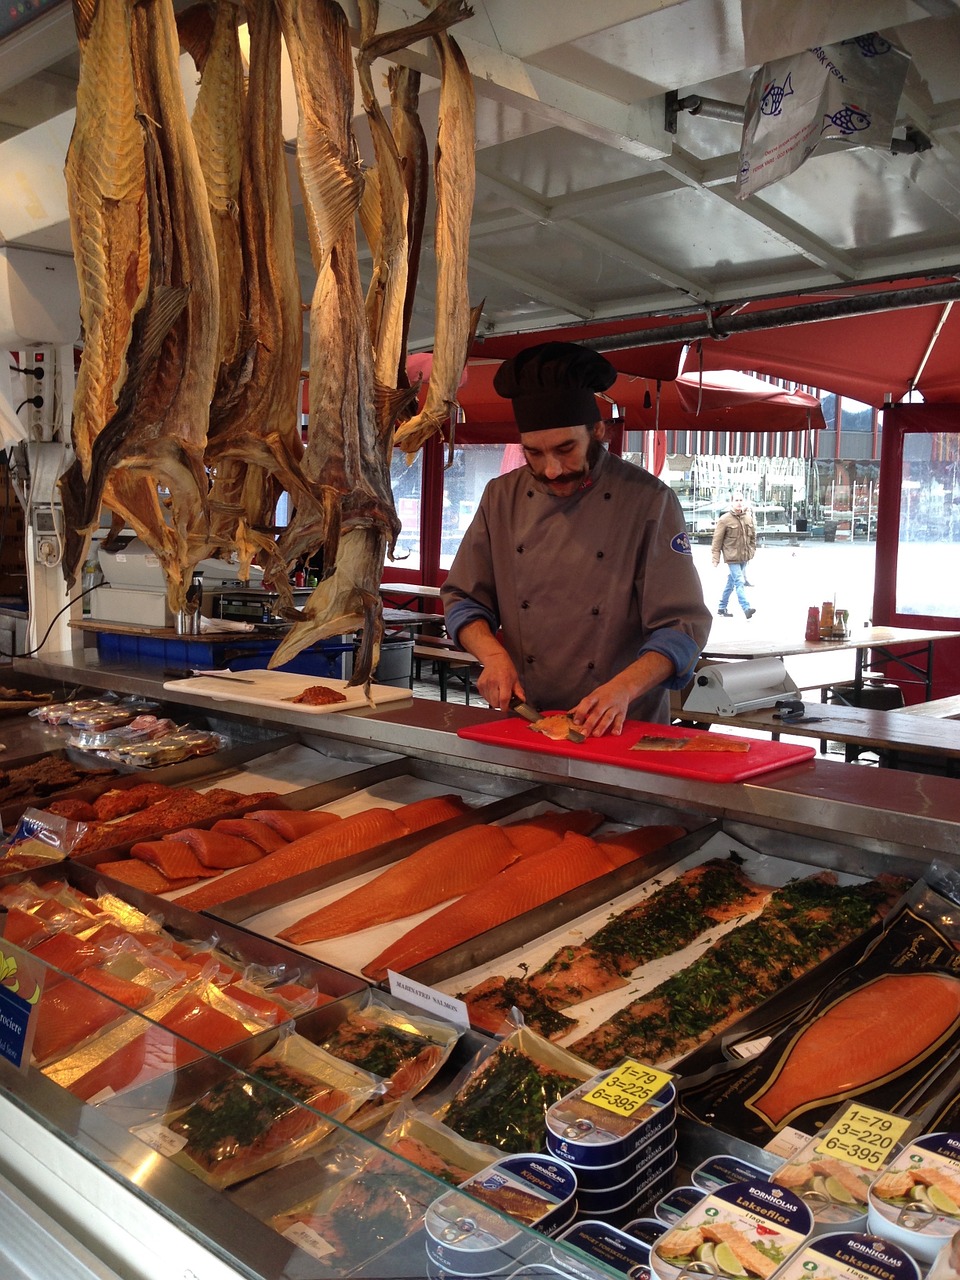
{"points": [[594, 610], [529, 659], [520, 549], [589, 666], [607, 496], [599, 555], [525, 604], [529, 493]]}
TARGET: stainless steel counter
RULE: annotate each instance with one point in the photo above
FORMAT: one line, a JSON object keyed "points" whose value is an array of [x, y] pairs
{"points": [[909, 818]]}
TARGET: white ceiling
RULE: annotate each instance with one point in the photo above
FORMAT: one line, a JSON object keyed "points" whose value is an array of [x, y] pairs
{"points": [[587, 208]]}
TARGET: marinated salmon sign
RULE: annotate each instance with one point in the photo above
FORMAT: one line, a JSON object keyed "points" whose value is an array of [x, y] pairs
{"points": [[429, 998], [21, 981], [628, 1087], [863, 1136]]}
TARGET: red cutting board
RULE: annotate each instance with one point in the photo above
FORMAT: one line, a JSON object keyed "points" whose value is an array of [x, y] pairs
{"points": [[763, 757]]}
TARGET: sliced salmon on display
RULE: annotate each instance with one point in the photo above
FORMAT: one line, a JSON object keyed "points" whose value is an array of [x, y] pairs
{"points": [[216, 849], [490, 1002], [142, 875], [67, 952], [358, 832], [70, 1013], [258, 833], [172, 858], [291, 824], [155, 1051], [532, 835], [420, 814], [867, 1036], [626, 846], [23, 928], [443, 869]]}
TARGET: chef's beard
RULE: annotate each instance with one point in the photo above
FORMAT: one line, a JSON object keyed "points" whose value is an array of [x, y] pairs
{"points": [[594, 449]]}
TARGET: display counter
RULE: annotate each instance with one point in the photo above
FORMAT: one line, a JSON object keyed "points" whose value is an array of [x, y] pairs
{"points": [[89, 1169]]}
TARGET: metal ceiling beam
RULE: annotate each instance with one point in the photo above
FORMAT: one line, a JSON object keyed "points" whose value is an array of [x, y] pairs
{"points": [[781, 317], [530, 285]]}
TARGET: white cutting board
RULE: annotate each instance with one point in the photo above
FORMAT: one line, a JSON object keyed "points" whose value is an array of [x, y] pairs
{"points": [[273, 688]]}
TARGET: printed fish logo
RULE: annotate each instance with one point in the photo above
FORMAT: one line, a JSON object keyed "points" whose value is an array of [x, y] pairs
{"points": [[872, 45], [849, 119], [681, 544], [771, 100]]}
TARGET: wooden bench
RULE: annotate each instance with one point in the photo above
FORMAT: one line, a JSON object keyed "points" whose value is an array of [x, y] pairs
{"points": [[447, 661], [938, 708]]}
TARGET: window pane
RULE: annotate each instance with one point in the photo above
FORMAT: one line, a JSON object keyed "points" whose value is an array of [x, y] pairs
{"points": [[928, 559], [407, 484], [463, 484]]}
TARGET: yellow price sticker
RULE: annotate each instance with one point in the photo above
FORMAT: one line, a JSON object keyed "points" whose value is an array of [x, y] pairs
{"points": [[628, 1087], [863, 1136]]}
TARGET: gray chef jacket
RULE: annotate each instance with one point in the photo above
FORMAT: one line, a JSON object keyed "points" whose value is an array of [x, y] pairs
{"points": [[579, 587]]}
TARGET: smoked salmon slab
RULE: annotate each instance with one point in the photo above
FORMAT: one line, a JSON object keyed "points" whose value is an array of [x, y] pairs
{"points": [[216, 850], [71, 1012], [529, 883]]}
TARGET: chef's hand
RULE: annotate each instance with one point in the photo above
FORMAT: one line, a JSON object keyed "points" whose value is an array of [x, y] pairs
{"points": [[499, 682], [604, 710]]}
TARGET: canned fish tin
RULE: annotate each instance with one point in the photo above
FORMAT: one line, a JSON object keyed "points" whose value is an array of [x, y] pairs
{"points": [[745, 1229], [584, 1133], [835, 1190], [676, 1203], [628, 1195], [647, 1230], [598, 1177], [915, 1202], [535, 1190], [849, 1255], [608, 1245], [717, 1171]]}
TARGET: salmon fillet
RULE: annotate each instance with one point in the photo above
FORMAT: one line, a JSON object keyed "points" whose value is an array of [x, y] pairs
{"points": [[535, 834], [489, 1004], [154, 1051], [420, 814], [23, 928], [347, 836], [747, 1254], [849, 1046], [217, 849], [141, 875], [258, 833], [71, 1012], [294, 823], [172, 858], [67, 952], [443, 869], [519, 887]]}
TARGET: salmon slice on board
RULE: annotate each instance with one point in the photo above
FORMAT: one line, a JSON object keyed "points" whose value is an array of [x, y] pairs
{"points": [[155, 1051], [71, 1012], [141, 875], [534, 834], [573, 861], [258, 833], [172, 858], [294, 823], [868, 1035], [217, 849], [443, 869], [349, 835]]}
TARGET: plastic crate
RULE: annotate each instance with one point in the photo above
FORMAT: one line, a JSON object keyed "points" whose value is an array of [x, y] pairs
{"points": [[324, 659]]}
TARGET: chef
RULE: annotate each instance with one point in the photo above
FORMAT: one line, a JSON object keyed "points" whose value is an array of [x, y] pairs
{"points": [[574, 586]]}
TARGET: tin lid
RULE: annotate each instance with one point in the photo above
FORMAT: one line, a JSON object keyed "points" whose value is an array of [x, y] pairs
{"points": [[528, 1187], [606, 1244], [849, 1255], [576, 1119]]}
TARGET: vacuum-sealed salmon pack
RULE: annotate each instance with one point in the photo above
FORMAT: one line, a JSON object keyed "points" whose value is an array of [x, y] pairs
{"points": [[881, 1032]]}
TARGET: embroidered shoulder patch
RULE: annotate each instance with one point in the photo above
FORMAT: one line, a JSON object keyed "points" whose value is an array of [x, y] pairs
{"points": [[681, 544]]}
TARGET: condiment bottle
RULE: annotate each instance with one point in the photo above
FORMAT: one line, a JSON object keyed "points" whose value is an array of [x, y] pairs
{"points": [[813, 624], [826, 620]]}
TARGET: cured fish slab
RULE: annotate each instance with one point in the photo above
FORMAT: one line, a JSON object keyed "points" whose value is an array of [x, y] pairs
{"points": [[714, 766]]}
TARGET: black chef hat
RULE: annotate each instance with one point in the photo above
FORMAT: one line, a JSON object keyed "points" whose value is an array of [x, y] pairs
{"points": [[552, 385]]}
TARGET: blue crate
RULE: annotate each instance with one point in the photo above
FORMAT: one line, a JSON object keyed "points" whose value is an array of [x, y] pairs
{"points": [[324, 659]]}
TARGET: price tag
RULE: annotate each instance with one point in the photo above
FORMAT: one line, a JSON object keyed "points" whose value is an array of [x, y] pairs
{"points": [[628, 1087], [863, 1137]]}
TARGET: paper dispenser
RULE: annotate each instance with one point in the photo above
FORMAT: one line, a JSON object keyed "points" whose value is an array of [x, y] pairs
{"points": [[726, 688]]}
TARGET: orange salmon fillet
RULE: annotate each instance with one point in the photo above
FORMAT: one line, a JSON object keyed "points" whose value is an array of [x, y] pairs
{"points": [[294, 823], [69, 1013], [258, 833], [868, 1035], [627, 846], [347, 836], [535, 834], [746, 1253], [156, 1051], [427, 813], [141, 875], [173, 859], [23, 928], [217, 849], [67, 952], [520, 887], [443, 869]]}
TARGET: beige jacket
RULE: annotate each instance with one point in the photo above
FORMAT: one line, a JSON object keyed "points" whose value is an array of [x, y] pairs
{"points": [[735, 538]]}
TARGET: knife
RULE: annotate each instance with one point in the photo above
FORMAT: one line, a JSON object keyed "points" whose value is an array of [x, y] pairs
{"points": [[207, 675], [526, 712]]}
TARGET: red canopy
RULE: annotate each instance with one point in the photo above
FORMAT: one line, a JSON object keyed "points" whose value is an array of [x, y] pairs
{"points": [[727, 401]]}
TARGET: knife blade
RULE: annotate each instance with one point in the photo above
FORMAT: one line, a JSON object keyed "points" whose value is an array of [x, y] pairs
{"points": [[526, 712], [216, 675]]}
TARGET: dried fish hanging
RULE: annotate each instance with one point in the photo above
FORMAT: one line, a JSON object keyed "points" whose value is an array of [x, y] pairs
{"points": [[157, 435], [253, 445]]}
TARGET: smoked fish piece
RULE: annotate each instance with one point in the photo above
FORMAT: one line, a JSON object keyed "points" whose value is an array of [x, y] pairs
{"points": [[420, 814], [802, 924], [70, 1012], [666, 921], [257, 833], [350, 835], [534, 834], [867, 1035], [443, 869], [537, 878], [291, 824], [172, 858], [489, 1004], [142, 875], [216, 850]]}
